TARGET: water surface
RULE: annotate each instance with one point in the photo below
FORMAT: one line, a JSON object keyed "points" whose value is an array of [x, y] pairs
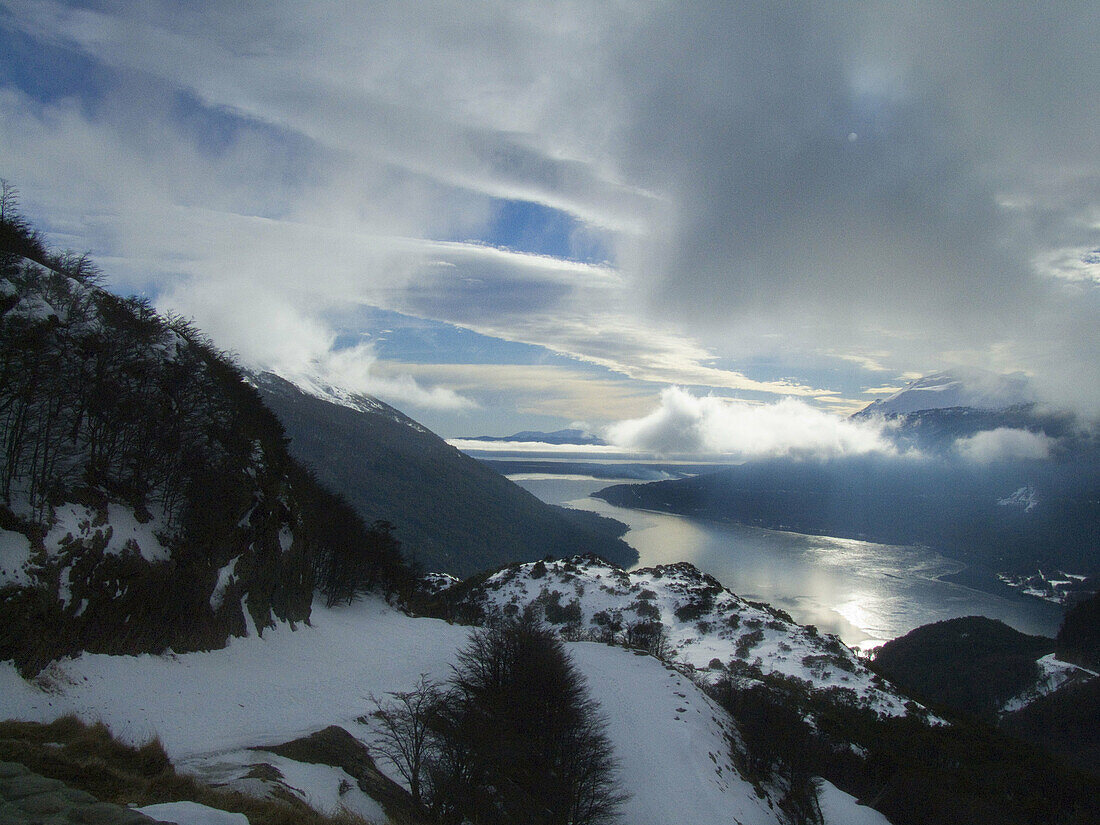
{"points": [[864, 592]]}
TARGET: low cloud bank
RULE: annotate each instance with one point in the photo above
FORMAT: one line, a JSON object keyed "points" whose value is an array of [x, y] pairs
{"points": [[292, 339], [685, 424], [1004, 443]]}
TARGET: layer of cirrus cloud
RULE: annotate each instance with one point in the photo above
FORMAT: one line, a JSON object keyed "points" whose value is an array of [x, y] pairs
{"points": [[880, 184]]}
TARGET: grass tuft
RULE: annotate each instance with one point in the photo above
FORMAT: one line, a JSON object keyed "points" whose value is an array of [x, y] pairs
{"points": [[88, 757]]}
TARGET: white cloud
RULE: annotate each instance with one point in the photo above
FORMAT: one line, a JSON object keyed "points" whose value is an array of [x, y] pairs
{"points": [[290, 339], [685, 424], [1004, 443], [709, 147], [534, 389], [355, 369]]}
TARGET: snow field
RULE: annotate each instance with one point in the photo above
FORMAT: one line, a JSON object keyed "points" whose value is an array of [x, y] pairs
{"points": [[208, 708]]}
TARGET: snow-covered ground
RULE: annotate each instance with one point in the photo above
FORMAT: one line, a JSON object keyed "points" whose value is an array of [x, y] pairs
{"points": [[208, 708], [15, 552], [115, 529], [1053, 675], [1053, 585], [191, 813], [707, 626]]}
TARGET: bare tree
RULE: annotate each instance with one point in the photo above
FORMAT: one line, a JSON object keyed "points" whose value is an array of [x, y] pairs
{"points": [[9, 201], [406, 737]]}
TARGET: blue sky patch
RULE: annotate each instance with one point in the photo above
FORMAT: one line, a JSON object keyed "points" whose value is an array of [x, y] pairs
{"points": [[49, 73], [399, 337], [526, 226]]}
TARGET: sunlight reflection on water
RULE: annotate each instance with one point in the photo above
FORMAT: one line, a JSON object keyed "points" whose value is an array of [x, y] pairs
{"points": [[864, 592]]}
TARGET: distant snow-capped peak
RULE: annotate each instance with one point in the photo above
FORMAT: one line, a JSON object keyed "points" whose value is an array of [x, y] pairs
{"points": [[973, 388], [312, 384]]}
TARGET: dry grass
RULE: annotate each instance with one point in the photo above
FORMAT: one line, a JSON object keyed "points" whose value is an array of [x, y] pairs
{"points": [[88, 757]]}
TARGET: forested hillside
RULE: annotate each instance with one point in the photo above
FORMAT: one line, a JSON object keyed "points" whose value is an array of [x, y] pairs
{"points": [[147, 499]]}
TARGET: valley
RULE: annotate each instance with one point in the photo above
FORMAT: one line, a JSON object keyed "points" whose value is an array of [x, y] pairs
{"points": [[864, 592], [178, 573]]}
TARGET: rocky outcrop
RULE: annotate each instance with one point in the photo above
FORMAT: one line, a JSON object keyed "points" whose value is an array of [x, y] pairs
{"points": [[27, 798], [336, 747]]}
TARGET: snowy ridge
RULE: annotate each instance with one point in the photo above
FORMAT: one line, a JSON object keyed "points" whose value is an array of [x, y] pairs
{"points": [[940, 390], [707, 629], [319, 388], [209, 707], [1053, 676]]}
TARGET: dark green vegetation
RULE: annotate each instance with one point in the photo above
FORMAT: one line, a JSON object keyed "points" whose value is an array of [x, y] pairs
{"points": [[1079, 639], [104, 403], [511, 738], [970, 665], [87, 757], [452, 514], [964, 774], [1065, 723], [949, 505]]}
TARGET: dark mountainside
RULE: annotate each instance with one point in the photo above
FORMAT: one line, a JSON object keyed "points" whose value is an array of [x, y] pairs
{"points": [[117, 422], [452, 514], [1079, 639], [971, 665], [965, 510], [974, 665]]}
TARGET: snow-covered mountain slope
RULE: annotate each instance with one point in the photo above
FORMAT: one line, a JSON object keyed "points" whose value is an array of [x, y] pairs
{"points": [[326, 391], [1053, 676], [976, 389], [207, 708], [684, 614]]}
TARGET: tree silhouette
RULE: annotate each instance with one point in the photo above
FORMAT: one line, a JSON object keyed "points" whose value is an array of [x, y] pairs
{"points": [[518, 739]]}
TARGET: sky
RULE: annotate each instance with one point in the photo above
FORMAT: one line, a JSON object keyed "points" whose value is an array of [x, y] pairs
{"points": [[506, 215]]}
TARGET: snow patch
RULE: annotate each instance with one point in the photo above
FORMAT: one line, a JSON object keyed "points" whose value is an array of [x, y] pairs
{"points": [[839, 808], [191, 813], [118, 527], [15, 552], [323, 787], [225, 578], [1026, 497], [1053, 675]]}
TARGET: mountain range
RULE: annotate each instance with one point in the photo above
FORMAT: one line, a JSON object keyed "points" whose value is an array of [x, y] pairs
{"points": [[567, 436], [932, 414]]}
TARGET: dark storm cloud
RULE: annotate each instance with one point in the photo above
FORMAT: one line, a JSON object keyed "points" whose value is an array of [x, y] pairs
{"points": [[849, 166]]}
